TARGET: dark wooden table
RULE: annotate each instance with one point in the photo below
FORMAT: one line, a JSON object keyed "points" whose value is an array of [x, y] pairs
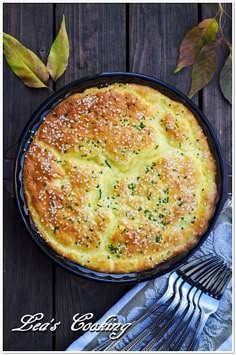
{"points": [[141, 38]]}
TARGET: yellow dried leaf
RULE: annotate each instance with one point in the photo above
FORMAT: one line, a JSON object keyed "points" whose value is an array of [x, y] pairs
{"points": [[24, 63], [59, 53]]}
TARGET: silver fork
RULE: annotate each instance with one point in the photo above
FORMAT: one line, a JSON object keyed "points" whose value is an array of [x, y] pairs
{"points": [[189, 268], [206, 305], [209, 302], [183, 328], [192, 315], [187, 290]]}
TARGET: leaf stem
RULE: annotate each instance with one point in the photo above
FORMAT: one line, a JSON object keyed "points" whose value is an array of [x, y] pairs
{"points": [[222, 12]]}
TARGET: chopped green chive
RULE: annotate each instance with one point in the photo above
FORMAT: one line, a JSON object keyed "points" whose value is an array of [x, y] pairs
{"points": [[131, 186], [109, 166]]}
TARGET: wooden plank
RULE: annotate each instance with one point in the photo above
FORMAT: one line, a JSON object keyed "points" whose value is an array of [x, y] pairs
{"points": [[155, 34], [27, 272], [215, 106], [97, 37]]}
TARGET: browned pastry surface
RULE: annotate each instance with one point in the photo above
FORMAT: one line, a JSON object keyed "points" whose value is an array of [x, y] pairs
{"points": [[120, 179]]}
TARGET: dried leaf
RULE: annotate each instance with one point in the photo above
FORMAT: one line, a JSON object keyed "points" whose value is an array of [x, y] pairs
{"points": [[24, 63], [204, 67], [59, 53], [226, 78], [194, 40]]}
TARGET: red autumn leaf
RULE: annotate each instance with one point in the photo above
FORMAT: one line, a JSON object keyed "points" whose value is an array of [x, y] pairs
{"points": [[195, 40]]}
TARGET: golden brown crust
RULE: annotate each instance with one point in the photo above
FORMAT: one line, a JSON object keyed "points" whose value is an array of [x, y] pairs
{"points": [[120, 179]]}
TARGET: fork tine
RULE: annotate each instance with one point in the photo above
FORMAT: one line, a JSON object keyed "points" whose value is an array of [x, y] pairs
{"points": [[195, 263], [199, 270], [220, 274], [216, 280], [193, 274], [220, 290], [206, 275], [109, 344], [202, 276], [199, 279], [210, 262], [221, 279], [204, 283], [209, 286]]}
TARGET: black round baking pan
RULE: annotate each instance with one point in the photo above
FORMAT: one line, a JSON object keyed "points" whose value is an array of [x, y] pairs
{"points": [[101, 80]]}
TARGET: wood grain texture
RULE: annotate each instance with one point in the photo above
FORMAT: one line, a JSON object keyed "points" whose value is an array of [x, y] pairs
{"points": [[98, 44], [138, 37], [97, 36], [27, 272], [156, 31], [214, 105]]}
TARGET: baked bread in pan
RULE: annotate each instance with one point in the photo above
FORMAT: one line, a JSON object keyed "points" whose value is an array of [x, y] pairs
{"points": [[120, 178]]}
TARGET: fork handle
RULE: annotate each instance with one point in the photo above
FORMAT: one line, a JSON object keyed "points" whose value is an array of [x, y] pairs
{"points": [[194, 316], [168, 311], [180, 327], [172, 319], [201, 324], [109, 344]]}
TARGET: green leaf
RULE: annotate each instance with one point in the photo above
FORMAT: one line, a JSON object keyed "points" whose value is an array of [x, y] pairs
{"points": [[194, 40], [204, 67], [59, 53], [226, 78], [24, 63]]}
